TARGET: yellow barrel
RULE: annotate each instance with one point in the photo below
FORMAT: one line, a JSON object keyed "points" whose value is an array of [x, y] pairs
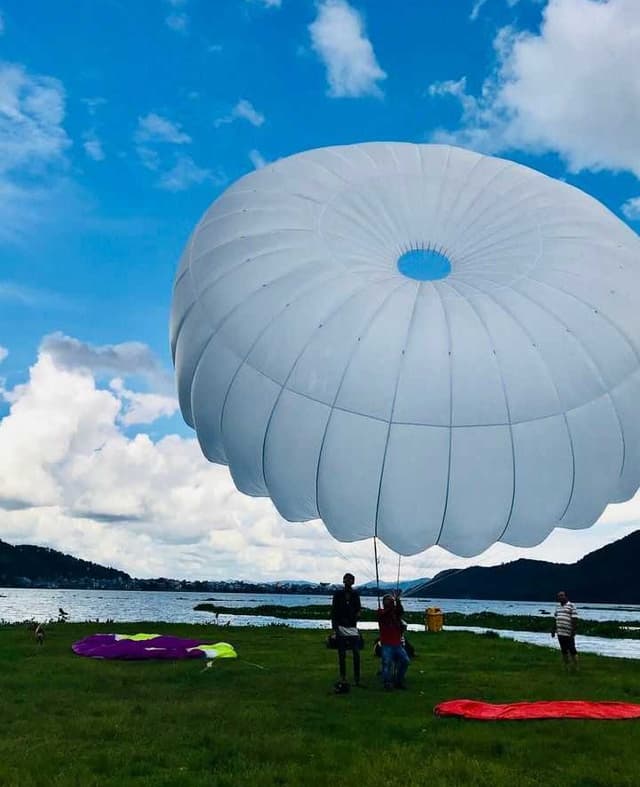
{"points": [[433, 619]]}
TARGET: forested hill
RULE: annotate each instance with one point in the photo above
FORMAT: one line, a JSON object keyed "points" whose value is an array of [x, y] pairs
{"points": [[608, 575], [29, 565]]}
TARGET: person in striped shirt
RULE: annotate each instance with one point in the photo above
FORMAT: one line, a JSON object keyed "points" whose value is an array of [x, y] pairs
{"points": [[564, 626]]}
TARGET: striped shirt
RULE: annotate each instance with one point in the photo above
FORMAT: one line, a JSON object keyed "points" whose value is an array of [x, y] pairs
{"points": [[565, 616]]}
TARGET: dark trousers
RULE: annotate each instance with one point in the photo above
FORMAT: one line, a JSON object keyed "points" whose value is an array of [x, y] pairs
{"points": [[352, 644]]}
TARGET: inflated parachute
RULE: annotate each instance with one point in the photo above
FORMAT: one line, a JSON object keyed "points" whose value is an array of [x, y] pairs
{"points": [[414, 342]]}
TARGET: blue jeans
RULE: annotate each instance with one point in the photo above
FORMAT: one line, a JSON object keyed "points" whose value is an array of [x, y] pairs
{"points": [[394, 654]]}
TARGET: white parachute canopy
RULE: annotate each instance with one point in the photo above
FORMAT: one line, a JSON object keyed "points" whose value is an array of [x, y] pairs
{"points": [[414, 342]]}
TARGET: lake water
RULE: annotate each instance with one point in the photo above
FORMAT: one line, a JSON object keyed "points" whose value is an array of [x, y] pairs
{"points": [[18, 604]]}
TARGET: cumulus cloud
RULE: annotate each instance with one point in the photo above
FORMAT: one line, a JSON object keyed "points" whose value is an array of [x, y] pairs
{"points": [[127, 359], [177, 22], [94, 104], [142, 408], [50, 201], [154, 138], [156, 128], [243, 110], [631, 209], [72, 479], [93, 146], [267, 3], [31, 115], [33, 149], [257, 159], [479, 5], [571, 88], [339, 38], [185, 173]]}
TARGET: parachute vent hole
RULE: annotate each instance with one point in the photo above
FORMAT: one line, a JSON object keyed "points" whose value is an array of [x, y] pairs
{"points": [[424, 264]]}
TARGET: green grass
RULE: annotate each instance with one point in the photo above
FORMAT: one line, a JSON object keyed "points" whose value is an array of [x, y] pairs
{"points": [[67, 720], [595, 628]]}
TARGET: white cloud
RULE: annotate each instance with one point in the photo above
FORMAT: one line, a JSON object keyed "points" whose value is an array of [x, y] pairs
{"points": [[31, 115], [631, 209], [257, 159], [149, 157], [177, 22], [94, 104], [49, 201], [267, 3], [479, 5], [142, 408], [245, 110], [338, 37], [93, 146], [475, 11], [71, 478], [30, 296], [571, 88], [128, 359], [185, 173], [449, 87], [155, 128], [178, 172]]}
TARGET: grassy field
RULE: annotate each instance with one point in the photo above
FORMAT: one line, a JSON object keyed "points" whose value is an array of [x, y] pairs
{"points": [[68, 720]]}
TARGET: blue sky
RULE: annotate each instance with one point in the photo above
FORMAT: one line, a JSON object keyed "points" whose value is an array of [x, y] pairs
{"points": [[120, 122]]}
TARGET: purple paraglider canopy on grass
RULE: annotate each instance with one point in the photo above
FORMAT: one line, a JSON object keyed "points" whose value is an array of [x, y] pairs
{"points": [[149, 646]]}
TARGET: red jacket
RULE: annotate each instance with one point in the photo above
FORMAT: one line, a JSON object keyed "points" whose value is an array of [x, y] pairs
{"points": [[390, 624]]}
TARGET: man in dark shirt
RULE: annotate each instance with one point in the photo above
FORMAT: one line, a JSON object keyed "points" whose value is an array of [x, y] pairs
{"points": [[345, 609], [391, 630]]}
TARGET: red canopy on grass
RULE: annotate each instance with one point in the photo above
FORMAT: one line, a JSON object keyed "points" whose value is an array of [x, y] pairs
{"points": [[557, 709]]}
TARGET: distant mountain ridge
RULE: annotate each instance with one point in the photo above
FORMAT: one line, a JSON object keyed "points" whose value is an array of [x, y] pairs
{"points": [[608, 575], [42, 567]]}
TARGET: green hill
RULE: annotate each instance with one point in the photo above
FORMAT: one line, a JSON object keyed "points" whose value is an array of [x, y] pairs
{"points": [[29, 565], [608, 575]]}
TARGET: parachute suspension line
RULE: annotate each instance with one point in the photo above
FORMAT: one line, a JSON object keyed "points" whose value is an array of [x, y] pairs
{"points": [[375, 557], [398, 578]]}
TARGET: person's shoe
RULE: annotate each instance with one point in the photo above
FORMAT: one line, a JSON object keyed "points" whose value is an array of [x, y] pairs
{"points": [[401, 685], [388, 686]]}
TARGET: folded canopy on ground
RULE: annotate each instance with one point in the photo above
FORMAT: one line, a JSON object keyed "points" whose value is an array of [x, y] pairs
{"points": [[150, 646], [555, 709]]}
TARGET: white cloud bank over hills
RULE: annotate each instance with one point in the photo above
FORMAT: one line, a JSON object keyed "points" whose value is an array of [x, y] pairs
{"points": [[74, 478], [570, 88]]}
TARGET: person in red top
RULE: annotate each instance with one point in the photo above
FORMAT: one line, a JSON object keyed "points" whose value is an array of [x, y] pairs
{"points": [[391, 629]]}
